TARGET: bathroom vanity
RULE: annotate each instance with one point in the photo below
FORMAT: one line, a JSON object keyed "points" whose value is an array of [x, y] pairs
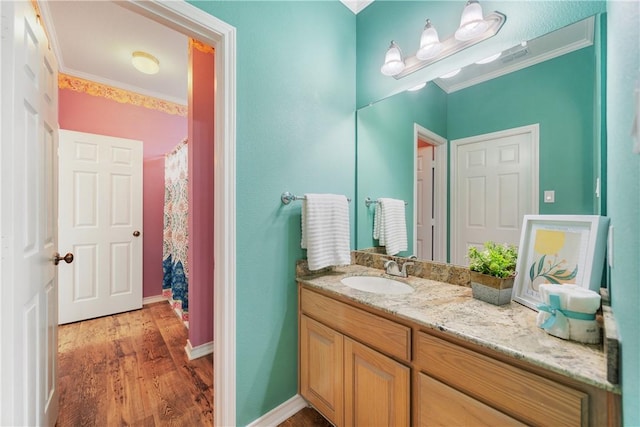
{"points": [[437, 356]]}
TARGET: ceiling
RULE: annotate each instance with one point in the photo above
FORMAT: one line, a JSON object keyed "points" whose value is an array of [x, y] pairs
{"points": [[94, 40]]}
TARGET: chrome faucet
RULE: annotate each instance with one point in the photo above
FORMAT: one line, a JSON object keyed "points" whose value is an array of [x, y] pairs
{"points": [[391, 268]]}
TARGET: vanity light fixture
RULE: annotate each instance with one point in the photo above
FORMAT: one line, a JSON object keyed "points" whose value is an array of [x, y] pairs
{"points": [[393, 61], [474, 28], [489, 59], [472, 22], [145, 62], [451, 74], [417, 87], [430, 44]]}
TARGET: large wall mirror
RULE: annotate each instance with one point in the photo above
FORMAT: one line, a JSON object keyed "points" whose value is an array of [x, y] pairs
{"points": [[474, 153]]}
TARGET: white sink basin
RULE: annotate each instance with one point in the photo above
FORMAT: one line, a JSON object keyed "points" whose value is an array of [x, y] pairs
{"points": [[377, 285]]}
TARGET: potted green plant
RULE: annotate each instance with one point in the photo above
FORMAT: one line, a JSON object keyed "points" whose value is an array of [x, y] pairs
{"points": [[492, 271]]}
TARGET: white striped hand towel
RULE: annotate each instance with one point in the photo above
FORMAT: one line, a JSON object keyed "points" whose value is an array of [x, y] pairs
{"points": [[390, 225], [325, 230]]}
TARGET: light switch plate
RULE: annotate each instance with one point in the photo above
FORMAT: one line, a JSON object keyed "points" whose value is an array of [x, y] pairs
{"points": [[549, 196]]}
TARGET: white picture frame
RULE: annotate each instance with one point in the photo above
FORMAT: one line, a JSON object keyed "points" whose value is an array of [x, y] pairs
{"points": [[559, 249]]}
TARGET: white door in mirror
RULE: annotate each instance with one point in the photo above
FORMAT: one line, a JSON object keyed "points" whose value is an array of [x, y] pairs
{"points": [[494, 184]]}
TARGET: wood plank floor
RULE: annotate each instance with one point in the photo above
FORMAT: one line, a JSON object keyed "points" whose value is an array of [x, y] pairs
{"points": [[307, 417], [131, 369]]}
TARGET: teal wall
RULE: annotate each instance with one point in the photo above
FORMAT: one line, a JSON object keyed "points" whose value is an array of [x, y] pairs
{"points": [[623, 200], [559, 94], [385, 165], [403, 21], [296, 97], [295, 132]]}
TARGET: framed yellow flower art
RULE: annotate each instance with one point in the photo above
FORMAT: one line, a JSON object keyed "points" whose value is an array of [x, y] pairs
{"points": [[559, 249]]}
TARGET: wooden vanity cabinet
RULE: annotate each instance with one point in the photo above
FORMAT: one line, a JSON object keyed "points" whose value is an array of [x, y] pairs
{"points": [[343, 373], [362, 369], [376, 388], [455, 385], [443, 406], [321, 369]]}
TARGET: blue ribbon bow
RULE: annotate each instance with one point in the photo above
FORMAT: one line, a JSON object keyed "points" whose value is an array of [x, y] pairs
{"points": [[560, 315]]}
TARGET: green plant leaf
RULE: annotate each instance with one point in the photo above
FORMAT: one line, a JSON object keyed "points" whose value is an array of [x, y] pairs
{"points": [[531, 271], [551, 279], [541, 264]]}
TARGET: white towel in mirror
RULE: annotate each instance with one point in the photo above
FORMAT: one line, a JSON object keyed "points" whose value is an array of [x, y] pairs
{"points": [[390, 225]]}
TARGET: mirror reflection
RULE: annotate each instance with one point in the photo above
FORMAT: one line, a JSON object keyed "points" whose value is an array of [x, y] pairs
{"points": [[474, 153]]}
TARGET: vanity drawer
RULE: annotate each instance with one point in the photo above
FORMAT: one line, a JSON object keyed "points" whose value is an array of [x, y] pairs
{"points": [[521, 394], [377, 332]]}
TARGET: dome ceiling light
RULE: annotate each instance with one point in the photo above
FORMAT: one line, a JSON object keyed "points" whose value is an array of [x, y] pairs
{"points": [[145, 62]]}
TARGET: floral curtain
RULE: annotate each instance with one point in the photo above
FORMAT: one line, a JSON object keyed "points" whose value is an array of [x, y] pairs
{"points": [[176, 237]]}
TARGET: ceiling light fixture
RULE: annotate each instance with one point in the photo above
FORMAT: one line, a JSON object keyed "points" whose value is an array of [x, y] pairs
{"points": [[474, 28], [145, 62]]}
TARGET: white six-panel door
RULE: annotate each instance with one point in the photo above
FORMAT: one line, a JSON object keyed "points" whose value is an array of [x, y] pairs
{"points": [[100, 210], [29, 96], [494, 184]]}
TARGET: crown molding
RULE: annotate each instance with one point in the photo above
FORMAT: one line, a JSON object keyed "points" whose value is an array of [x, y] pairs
{"points": [[356, 5], [123, 96]]}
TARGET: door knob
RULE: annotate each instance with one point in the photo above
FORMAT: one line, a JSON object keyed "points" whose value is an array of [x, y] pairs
{"points": [[68, 258], [136, 233]]}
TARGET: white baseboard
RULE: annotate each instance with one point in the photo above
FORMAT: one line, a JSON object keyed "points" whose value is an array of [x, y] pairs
{"points": [[198, 351], [281, 413], [151, 300]]}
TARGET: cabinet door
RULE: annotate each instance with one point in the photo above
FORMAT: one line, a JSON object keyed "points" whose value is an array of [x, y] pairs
{"points": [[441, 405], [376, 388], [321, 369]]}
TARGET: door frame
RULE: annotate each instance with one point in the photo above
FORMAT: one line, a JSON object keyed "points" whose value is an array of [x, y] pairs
{"points": [[534, 131], [439, 194], [198, 24]]}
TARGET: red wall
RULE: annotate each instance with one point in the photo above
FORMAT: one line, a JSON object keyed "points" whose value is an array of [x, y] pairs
{"points": [[201, 174], [153, 217], [160, 132]]}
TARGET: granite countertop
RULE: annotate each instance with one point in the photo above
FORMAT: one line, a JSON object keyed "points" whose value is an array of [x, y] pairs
{"points": [[509, 329]]}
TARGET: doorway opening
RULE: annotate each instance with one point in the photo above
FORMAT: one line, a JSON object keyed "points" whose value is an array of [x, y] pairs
{"points": [[430, 195], [199, 25]]}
